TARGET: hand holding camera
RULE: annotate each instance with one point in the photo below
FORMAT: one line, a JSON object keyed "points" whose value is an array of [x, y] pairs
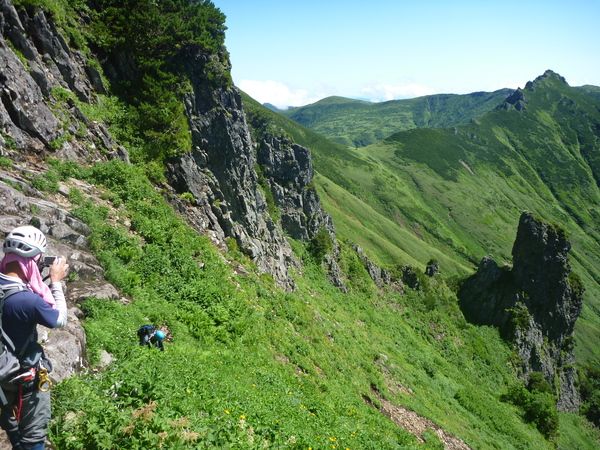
{"points": [[58, 268]]}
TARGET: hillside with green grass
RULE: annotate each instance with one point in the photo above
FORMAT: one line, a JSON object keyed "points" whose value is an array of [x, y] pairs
{"points": [[462, 189], [356, 123], [248, 364], [340, 181], [592, 91], [251, 366], [456, 193]]}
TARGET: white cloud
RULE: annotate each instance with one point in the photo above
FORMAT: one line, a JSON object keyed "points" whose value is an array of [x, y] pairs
{"points": [[384, 92], [277, 93]]}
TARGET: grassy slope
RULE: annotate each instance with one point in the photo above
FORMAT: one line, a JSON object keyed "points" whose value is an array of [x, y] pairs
{"points": [[248, 364], [592, 91], [542, 159], [356, 123], [345, 180]]}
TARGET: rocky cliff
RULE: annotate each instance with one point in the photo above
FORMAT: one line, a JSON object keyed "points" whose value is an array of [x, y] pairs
{"points": [[535, 304], [42, 81], [221, 170], [43, 84]]}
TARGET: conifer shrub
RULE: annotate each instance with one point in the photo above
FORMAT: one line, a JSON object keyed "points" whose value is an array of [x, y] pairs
{"points": [[320, 244], [589, 388], [537, 402]]}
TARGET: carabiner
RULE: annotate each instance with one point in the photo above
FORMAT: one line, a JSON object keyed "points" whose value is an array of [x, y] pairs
{"points": [[45, 383]]}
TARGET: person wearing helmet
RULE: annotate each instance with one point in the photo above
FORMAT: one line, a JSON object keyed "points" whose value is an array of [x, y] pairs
{"points": [[150, 336], [30, 302]]}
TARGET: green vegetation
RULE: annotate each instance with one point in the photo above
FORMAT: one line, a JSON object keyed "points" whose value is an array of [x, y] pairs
{"points": [[154, 92], [458, 192], [592, 91], [357, 123], [251, 366], [537, 403], [150, 117], [320, 244], [248, 365]]}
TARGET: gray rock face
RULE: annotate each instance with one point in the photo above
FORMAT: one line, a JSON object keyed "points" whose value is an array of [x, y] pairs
{"points": [[379, 276], [23, 112], [27, 87], [288, 169], [220, 174], [535, 304]]}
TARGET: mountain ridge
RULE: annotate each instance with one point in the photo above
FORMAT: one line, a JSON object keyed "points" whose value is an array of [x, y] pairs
{"points": [[210, 227], [375, 121]]}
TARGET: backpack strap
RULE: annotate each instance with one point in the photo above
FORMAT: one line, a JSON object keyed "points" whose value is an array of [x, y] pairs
{"points": [[18, 288]]}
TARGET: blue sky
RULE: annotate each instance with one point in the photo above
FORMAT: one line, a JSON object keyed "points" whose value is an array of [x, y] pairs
{"points": [[291, 53]]}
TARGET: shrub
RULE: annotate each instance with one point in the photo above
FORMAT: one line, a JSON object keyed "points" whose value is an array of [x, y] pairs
{"points": [[47, 182], [537, 402], [542, 413], [537, 383], [320, 244], [5, 162], [76, 197], [589, 388]]}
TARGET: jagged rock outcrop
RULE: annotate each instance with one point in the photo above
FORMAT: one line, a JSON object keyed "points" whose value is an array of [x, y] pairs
{"points": [[220, 174], [518, 99], [379, 276], [288, 169], [29, 118], [535, 304], [433, 268]]}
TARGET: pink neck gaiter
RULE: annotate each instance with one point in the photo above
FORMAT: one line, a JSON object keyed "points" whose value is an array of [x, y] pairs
{"points": [[32, 274]]}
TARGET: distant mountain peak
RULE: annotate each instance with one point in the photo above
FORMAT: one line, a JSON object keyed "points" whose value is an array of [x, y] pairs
{"points": [[273, 107], [548, 76], [519, 98]]}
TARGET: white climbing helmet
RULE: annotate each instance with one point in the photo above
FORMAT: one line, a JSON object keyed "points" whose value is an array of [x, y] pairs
{"points": [[26, 241]]}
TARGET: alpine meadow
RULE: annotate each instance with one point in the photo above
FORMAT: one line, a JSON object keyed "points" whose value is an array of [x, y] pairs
{"points": [[419, 273]]}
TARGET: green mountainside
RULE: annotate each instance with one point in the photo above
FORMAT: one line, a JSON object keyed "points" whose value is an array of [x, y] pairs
{"points": [[592, 91], [248, 364], [456, 193], [461, 189], [357, 123]]}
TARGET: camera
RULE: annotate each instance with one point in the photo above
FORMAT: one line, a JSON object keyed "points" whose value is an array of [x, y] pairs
{"points": [[47, 261]]}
